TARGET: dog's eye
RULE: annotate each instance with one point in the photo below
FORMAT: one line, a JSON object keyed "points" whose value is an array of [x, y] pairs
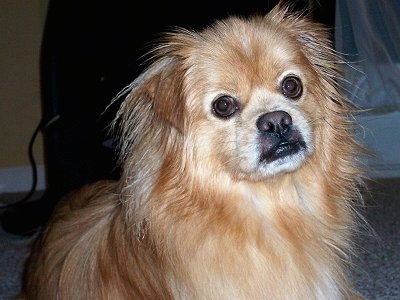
{"points": [[292, 87], [225, 106]]}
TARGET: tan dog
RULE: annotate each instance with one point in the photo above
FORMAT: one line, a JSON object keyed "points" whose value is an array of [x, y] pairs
{"points": [[239, 177]]}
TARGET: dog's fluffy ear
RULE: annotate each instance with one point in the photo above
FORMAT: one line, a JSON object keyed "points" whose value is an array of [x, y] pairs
{"points": [[158, 93], [311, 35], [162, 86], [154, 104]]}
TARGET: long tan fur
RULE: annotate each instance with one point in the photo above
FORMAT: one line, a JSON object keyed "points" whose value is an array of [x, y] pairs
{"points": [[194, 216]]}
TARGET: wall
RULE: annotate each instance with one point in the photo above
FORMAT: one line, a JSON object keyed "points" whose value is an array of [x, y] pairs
{"points": [[21, 27]]}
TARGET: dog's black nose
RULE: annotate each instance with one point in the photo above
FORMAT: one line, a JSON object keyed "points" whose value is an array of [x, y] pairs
{"points": [[274, 122]]}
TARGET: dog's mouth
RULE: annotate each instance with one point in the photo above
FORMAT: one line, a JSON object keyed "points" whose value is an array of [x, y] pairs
{"points": [[281, 150]]}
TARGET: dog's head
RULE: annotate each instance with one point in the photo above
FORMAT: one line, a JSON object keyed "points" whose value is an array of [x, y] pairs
{"points": [[250, 98]]}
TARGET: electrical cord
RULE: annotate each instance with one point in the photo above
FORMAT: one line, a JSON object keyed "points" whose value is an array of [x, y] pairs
{"points": [[42, 125], [33, 163], [33, 167]]}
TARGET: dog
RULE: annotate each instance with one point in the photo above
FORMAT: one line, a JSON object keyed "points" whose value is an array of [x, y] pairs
{"points": [[239, 176]]}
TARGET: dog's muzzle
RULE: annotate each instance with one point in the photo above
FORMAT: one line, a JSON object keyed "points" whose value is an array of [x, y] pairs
{"points": [[278, 137]]}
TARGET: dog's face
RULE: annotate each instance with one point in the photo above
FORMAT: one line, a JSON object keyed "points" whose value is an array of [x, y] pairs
{"points": [[253, 99], [257, 108], [250, 97]]}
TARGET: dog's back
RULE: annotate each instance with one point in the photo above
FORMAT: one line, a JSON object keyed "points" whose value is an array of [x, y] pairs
{"points": [[82, 253]]}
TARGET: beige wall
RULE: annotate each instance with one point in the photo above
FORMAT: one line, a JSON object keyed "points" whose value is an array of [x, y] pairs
{"points": [[21, 26]]}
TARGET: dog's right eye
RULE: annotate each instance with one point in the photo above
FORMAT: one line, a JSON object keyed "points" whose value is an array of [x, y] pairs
{"points": [[225, 106]]}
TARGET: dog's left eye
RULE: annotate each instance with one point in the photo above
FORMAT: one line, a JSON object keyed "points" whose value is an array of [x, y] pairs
{"points": [[292, 87], [225, 106]]}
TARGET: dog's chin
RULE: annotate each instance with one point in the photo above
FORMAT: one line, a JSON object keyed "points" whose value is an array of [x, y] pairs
{"points": [[282, 159], [282, 165]]}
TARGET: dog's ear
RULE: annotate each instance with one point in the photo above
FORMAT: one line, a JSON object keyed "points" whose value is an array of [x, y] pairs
{"points": [[313, 36], [162, 86], [154, 104]]}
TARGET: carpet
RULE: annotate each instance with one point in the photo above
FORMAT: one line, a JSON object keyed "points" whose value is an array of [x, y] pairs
{"points": [[377, 271]]}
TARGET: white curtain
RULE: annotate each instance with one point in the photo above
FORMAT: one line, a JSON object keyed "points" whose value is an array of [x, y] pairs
{"points": [[367, 34]]}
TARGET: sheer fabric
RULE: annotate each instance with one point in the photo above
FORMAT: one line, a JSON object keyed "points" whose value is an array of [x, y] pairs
{"points": [[367, 34]]}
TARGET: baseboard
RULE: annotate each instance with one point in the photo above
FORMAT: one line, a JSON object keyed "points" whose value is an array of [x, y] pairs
{"points": [[381, 136], [19, 179]]}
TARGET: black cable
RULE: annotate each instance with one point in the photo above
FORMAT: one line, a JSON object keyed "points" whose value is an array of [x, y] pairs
{"points": [[33, 166]]}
